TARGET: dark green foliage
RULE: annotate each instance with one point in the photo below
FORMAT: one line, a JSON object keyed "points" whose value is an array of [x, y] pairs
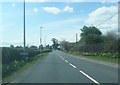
{"points": [[110, 42], [11, 54], [91, 35], [12, 60], [118, 45], [65, 45], [55, 43], [33, 47], [93, 41], [7, 69], [91, 48]]}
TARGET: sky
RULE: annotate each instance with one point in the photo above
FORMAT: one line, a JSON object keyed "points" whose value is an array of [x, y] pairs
{"points": [[60, 20]]}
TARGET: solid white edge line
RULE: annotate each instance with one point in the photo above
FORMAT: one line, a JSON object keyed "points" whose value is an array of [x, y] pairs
{"points": [[90, 77], [72, 65]]}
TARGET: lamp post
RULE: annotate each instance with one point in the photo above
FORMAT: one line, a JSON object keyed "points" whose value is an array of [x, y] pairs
{"points": [[24, 26], [76, 38], [24, 53], [40, 38], [45, 41]]}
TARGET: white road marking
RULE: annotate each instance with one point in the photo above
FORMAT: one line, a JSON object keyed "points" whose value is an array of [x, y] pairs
{"points": [[63, 58], [82, 72], [60, 56], [72, 65], [89, 77], [66, 61]]}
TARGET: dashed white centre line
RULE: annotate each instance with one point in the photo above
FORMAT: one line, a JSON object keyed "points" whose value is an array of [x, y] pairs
{"points": [[82, 72], [66, 61], [89, 77], [61, 57], [72, 65]]}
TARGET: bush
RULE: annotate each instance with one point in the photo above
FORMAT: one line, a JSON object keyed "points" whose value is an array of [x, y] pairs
{"points": [[13, 60], [10, 54]]}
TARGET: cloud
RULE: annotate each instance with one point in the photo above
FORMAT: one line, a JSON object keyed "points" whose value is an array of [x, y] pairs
{"points": [[57, 29], [69, 23], [36, 0], [53, 10], [100, 15], [64, 35], [110, 2], [1, 28], [68, 9], [13, 5], [35, 10], [58, 0]]}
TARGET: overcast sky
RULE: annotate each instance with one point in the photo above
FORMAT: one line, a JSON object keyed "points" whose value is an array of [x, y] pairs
{"points": [[60, 20]]}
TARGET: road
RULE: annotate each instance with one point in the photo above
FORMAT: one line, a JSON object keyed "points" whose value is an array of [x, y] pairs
{"points": [[59, 67]]}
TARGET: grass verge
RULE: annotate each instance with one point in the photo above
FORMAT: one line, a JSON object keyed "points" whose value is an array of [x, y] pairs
{"points": [[101, 58]]}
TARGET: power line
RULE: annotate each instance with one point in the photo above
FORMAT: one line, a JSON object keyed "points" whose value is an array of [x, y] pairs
{"points": [[108, 18]]}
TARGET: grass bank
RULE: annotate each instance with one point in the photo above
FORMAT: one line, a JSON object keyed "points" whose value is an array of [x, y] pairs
{"points": [[107, 57]]}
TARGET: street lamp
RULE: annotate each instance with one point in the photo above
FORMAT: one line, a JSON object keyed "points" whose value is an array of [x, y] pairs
{"points": [[41, 35], [76, 38], [24, 26], [24, 53], [40, 38]]}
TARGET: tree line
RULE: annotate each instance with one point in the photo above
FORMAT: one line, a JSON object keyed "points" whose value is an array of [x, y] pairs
{"points": [[92, 40]]}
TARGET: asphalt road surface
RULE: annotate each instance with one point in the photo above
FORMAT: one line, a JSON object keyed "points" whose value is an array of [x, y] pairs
{"points": [[59, 67]]}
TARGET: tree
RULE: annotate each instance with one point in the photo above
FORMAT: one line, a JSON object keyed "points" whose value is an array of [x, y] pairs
{"points": [[33, 47], [64, 45], [55, 43], [19, 47], [110, 42], [91, 35], [11, 46]]}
